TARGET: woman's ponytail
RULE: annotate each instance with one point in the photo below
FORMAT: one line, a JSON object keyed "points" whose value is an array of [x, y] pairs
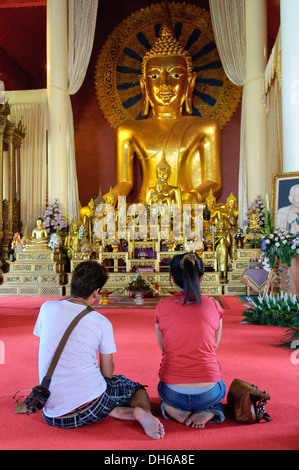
{"points": [[187, 270]]}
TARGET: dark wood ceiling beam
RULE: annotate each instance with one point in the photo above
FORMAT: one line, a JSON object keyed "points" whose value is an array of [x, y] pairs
{"points": [[14, 70]]}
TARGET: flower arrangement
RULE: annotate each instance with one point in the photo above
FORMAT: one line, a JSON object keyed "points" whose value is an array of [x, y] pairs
{"points": [[279, 310], [55, 241], [53, 217], [139, 285], [256, 207], [280, 244]]}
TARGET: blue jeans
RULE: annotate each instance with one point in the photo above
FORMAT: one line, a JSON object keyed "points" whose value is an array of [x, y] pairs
{"points": [[207, 401]]}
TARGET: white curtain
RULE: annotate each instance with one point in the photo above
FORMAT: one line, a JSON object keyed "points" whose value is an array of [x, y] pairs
{"points": [[82, 16], [33, 161], [273, 105], [228, 20]]}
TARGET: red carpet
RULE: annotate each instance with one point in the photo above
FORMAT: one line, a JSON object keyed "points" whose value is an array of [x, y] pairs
{"points": [[245, 352]]}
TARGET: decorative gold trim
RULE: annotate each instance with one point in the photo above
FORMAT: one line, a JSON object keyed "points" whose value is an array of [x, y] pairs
{"points": [[120, 60]]}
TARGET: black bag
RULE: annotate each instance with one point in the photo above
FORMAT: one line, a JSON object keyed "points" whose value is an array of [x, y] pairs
{"points": [[37, 398], [40, 393]]}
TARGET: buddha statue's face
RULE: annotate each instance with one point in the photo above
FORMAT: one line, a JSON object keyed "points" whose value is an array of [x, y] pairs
{"points": [[231, 203], [166, 80], [162, 174], [210, 202]]}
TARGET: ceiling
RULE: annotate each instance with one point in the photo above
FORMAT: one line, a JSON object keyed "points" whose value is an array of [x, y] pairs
{"points": [[23, 40]]}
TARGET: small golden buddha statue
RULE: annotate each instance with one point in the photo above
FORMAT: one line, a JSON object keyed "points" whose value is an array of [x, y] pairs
{"points": [[191, 144], [222, 244], [215, 212], [110, 198], [231, 206], [254, 226], [71, 241], [39, 238], [163, 192], [87, 211], [232, 230]]}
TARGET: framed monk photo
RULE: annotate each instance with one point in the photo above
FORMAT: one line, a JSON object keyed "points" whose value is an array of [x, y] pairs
{"points": [[285, 201]]}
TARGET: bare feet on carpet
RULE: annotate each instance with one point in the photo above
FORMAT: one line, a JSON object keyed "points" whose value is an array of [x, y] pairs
{"points": [[151, 425], [178, 415], [199, 420], [193, 420]]}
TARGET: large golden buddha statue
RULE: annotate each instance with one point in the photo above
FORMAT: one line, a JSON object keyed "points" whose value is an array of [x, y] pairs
{"points": [[191, 144]]}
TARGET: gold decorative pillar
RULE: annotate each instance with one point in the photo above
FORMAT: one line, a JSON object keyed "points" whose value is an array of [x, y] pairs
{"points": [[3, 117], [57, 91], [289, 13], [11, 136], [255, 117]]}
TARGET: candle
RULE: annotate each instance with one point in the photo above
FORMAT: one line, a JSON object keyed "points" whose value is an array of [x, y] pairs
{"points": [[267, 202]]}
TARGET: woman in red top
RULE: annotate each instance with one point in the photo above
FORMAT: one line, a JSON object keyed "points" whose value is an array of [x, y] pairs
{"points": [[188, 328]]}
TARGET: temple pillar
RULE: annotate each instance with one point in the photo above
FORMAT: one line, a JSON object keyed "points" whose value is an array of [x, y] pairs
{"points": [[289, 14], [57, 92], [255, 117]]}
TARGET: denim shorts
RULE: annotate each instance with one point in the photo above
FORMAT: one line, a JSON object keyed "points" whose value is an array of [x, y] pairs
{"points": [[206, 401]]}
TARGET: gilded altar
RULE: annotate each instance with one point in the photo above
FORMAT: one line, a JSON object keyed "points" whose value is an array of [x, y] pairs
{"points": [[139, 253]]}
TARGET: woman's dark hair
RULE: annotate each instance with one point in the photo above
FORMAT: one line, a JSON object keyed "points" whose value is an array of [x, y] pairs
{"points": [[186, 270], [87, 277]]}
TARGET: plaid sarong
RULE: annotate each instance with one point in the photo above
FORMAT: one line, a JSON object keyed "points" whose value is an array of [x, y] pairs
{"points": [[118, 392]]}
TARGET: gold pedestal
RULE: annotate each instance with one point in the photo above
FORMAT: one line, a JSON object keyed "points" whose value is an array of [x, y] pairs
{"points": [[104, 294]]}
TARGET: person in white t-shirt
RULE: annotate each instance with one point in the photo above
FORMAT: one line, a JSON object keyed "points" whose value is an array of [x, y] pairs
{"points": [[83, 389]]}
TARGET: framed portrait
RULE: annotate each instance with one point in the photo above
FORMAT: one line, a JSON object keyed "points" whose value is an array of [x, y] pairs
{"points": [[285, 201]]}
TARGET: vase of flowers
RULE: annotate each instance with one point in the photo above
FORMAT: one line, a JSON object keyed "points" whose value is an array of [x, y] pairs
{"points": [[280, 245], [258, 210], [139, 288], [55, 241], [53, 217], [279, 252]]}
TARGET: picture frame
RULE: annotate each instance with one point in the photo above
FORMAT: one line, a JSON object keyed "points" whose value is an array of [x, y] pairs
{"points": [[285, 201]]}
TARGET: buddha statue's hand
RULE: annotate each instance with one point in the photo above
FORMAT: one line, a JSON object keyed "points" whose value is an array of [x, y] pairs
{"points": [[121, 189], [204, 189]]}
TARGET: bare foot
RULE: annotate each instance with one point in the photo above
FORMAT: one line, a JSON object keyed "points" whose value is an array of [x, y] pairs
{"points": [[199, 420], [178, 415], [151, 425]]}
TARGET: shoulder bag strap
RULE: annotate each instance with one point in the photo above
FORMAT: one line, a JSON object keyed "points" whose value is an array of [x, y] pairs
{"points": [[47, 379]]}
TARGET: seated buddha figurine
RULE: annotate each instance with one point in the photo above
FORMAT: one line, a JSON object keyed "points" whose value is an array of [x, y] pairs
{"points": [[191, 144], [39, 238], [163, 192]]}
